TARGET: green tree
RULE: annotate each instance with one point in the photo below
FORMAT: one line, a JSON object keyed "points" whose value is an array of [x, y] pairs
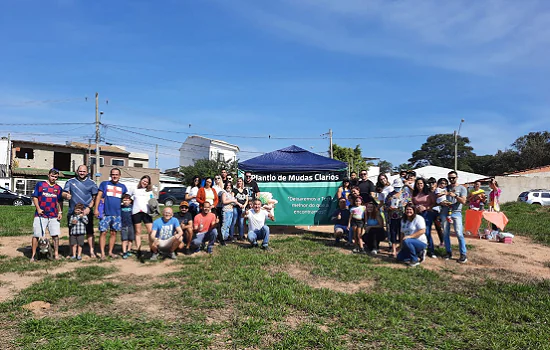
{"points": [[208, 168], [385, 166], [533, 149], [404, 166], [439, 150], [352, 156]]}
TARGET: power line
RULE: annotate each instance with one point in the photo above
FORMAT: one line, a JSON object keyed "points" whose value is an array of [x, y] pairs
{"points": [[40, 102], [43, 125]]}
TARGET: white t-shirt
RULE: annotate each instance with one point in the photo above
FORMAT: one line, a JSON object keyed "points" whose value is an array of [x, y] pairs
{"points": [[439, 191], [410, 227], [385, 191], [141, 198], [192, 191], [256, 220]]}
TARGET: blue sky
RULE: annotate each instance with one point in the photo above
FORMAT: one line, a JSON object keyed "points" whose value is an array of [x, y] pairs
{"points": [[285, 68]]}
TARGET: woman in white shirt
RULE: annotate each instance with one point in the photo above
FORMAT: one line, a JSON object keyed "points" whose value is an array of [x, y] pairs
{"points": [[140, 209], [191, 195], [413, 237]]}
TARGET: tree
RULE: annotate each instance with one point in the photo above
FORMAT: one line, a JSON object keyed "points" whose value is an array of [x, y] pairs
{"points": [[352, 156], [439, 150], [533, 149], [385, 166], [404, 166], [207, 168]]}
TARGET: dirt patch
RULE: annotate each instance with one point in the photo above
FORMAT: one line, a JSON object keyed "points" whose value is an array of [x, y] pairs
{"points": [[303, 274], [490, 258], [11, 283], [37, 307]]}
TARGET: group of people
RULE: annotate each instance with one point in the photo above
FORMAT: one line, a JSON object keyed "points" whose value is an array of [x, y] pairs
{"points": [[214, 207], [403, 213]]}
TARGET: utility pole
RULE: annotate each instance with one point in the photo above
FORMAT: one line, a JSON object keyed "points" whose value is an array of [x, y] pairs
{"points": [[97, 156], [330, 137], [156, 156], [456, 134], [90, 156]]}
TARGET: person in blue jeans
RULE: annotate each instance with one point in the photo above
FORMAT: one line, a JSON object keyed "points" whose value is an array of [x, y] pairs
{"points": [[257, 229], [457, 197], [413, 237], [241, 194]]}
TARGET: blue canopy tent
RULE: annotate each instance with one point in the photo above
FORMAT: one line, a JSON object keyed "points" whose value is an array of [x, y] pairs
{"points": [[301, 183], [291, 159]]}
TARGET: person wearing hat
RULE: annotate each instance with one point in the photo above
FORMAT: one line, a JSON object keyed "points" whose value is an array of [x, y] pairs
{"points": [[394, 206], [185, 218]]}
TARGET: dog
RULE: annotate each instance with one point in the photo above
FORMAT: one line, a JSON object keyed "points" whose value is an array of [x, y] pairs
{"points": [[45, 248]]}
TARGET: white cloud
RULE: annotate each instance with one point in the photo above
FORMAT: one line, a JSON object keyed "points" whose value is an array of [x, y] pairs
{"points": [[481, 37]]}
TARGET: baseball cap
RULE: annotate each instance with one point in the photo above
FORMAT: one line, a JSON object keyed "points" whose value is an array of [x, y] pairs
{"points": [[184, 203]]}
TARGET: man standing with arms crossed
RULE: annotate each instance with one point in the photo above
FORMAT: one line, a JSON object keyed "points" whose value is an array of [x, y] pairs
{"points": [[112, 191], [366, 188], [251, 186], [83, 190]]}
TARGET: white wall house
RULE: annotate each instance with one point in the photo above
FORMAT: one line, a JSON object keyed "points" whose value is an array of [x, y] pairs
{"points": [[198, 147]]}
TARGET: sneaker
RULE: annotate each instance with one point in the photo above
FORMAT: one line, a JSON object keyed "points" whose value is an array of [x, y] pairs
{"points": [[422, 256], [154, 257], [266, 248], [209, 250], [362, 251], [255, 245], [413, 263], [449, 256], [432, 255], [374, 252], [125, 255], [356, 250], [73, 257], [172, 256], [79, 257], [234, 240], [463, 259]]}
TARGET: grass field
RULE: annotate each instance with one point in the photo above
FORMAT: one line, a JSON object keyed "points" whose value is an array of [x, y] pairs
{"points": [[246, 298]]}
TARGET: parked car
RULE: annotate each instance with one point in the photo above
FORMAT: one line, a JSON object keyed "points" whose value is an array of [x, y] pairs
{"points": [[538, 196], [8, 197], [172, 195]]}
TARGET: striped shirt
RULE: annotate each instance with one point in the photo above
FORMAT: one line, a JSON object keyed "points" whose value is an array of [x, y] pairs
{"points": [[82, 191]]}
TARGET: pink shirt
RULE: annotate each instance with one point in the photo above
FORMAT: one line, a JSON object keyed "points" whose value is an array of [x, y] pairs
{"points": [[426, 200]]}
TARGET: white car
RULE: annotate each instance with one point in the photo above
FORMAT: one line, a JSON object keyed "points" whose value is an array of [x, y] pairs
{"points": [[539, 197]]}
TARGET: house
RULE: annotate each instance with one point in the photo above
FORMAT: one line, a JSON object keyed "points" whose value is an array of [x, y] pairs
{"points": [[108, 154], [198, 147]]}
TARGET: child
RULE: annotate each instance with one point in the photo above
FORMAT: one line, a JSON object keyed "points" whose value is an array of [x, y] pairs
{"points": [[394, 204], [357, 224], [127, 231], [77, 227], [441, 196]]}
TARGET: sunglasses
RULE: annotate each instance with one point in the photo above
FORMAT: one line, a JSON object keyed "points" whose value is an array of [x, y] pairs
{"points": [[452, 178], [248, 175], [363, 173]]}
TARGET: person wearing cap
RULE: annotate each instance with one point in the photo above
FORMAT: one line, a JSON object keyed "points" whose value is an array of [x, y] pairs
{"points": [[47, 198], [185, 218], [340, 218], [394, 206]]}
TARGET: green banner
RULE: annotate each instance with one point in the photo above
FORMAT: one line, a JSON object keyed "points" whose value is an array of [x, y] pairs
{"points": [[299, 198]]}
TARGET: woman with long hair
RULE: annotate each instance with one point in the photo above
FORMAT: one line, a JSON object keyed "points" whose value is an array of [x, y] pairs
{"points": [[494, 199], [344, 191], [229, 202], [191, 195], [241, 194], [140, 209], [207, 194], [413, 237], [374, 228], [424, 200], [432, 185]]}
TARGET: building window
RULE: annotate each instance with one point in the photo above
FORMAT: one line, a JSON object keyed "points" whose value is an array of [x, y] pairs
{"points": [[138, 165], [101, 161], [117, 162], [24, 153], [221, 157]]}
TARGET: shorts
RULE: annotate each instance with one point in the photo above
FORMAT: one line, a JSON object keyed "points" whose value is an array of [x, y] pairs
{"points": [[357, 223], [76, 240], [114, 223], [127, 233], [341, 227], [165, 245], [40, 224], [138, 218]]}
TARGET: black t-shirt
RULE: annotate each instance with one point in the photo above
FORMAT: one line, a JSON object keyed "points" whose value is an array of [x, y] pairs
{"points": [[184, 218], [366, 187], [252, 189], [240, 196], [345, 217]]}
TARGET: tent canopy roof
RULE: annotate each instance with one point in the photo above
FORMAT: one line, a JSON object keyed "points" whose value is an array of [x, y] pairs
{"points": [[291, 159]]}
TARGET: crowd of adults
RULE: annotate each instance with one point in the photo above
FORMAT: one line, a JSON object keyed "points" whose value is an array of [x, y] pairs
{"points": [[403, 213], [212, 211]]}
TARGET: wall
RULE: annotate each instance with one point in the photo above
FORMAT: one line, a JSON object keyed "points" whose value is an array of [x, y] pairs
{"points": [[228, 152], [44, 156], [194, 148], [512, 186]]}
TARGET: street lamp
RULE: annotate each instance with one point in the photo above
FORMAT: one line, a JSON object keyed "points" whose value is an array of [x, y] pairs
{"points": [[457, 133]]}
